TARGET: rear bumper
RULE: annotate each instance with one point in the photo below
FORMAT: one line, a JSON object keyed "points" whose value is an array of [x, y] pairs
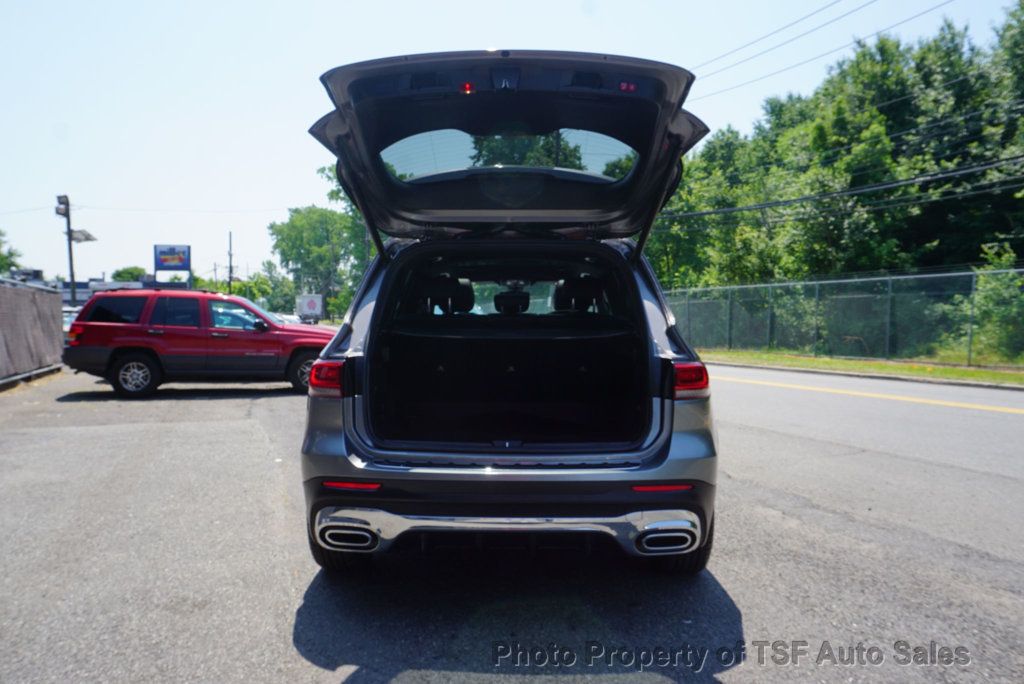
{"points": [[461, 495], [87, 359], [639, 533], [609, 508]]}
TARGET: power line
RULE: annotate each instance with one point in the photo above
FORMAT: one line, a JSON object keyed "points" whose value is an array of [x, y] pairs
{"points": [[1007, 183], [924, 178], [27, 210], [788, 40], [1011, 106], [768, 35], [866, 169], [173, 210], [885, 103], [899, 202], [876, 206], [881, 104], [965, 145], [859, 190], [823, 54]]}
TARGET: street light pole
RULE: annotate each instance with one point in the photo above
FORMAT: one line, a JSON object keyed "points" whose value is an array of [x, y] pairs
{"points": [[63, 208]]}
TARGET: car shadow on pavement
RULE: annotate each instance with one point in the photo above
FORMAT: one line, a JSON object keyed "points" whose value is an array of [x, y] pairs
{"points": [[457, 616], [179, 393]]}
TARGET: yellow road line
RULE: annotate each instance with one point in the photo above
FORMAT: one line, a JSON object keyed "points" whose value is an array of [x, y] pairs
{"points": [[875, 395]]}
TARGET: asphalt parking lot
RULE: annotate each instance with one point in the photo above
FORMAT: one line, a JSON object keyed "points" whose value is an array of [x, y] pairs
{"points": [[163, 540]]}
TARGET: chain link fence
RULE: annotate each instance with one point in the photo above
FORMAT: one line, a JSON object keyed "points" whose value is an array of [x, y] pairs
{"points": [[969, 318]]}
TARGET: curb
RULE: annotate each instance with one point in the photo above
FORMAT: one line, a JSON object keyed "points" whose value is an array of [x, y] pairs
{"points": [[876, 376], [15, 380]]}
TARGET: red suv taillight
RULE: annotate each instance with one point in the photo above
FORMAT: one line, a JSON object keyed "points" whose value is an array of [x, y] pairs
{"points": [[325, 379], [691, 380], [75, 334]]}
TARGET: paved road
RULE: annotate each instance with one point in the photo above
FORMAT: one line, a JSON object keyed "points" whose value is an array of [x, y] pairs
{"points": [[163, 540]]}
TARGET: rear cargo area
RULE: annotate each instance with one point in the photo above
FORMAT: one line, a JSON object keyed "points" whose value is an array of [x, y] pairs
{"points": [[510, 351]]}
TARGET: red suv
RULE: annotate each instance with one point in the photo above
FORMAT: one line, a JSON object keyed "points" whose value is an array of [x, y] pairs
{"points": [[138, 339]]}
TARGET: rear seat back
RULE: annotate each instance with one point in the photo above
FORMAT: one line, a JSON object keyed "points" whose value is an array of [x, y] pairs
{"points": [[577, 294], [449, 294]]}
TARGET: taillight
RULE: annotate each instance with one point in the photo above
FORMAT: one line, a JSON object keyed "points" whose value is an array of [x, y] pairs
{"points": [[75, 334], [691, 380], [325, 378]]}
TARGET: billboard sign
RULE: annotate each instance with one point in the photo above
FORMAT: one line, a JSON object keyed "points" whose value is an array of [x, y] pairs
{"points": [[172, 258]]}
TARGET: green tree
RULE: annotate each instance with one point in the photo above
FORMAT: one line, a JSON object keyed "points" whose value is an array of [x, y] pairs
{"points": [[280, 288], [620, 168], [208, 284], [889, 112], [318, 247], [8, 255], [551, 150], [269, 287], [999, 304], [128, 274], [361, 249]]}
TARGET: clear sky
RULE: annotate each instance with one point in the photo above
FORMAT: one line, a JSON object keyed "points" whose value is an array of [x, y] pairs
{"points": [[176, 122]]}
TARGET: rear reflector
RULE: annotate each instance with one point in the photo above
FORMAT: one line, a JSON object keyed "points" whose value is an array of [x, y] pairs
{"points": [[662, 488], [691, 380], [362, 486], [325, 378], [75, 334]]}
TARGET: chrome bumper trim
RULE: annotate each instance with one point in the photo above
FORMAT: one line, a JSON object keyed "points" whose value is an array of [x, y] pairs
{"points": [[625, 530]]}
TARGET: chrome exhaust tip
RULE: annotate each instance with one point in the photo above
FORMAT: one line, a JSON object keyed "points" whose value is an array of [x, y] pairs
{"points": [[667, 541], [342, 538]]}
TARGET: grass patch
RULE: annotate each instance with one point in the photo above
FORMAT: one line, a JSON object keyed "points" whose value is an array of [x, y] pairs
{"points": [[909, 369]]}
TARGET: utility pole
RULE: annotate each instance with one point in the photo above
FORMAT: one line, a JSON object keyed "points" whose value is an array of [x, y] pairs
{"points": [[231, 264], [63, 208], [215, 276]]}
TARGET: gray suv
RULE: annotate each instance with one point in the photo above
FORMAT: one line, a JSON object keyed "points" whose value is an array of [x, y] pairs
{"points": [[509, 372]]}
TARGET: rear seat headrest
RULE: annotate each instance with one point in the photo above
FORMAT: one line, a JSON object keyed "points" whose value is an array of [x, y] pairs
{"points": [[576, 294], [512, 302], [450, 294]]}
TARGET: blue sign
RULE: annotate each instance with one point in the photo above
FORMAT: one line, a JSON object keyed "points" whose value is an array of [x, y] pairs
{"points": [[172, 258]]}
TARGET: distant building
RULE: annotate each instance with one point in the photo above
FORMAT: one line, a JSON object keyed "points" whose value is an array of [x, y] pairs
{"points": [[27, 275], [86, 289]]}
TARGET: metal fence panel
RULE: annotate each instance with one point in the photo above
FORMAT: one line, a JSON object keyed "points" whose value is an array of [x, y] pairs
{"points": [[31, 334], [796, 315], [960, 318], [854, 318]]}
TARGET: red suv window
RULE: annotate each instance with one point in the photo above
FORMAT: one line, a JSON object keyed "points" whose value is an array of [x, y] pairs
{"points": [[117, 309], [182, 311]]}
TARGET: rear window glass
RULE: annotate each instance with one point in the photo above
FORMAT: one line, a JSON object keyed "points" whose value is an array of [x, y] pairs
{"points": [[448, 150], [183, 311], [538, 299], [117, 310], [531, 286]]}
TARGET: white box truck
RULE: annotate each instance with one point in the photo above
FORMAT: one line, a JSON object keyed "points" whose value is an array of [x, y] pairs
{"points": [[309, 307]]}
